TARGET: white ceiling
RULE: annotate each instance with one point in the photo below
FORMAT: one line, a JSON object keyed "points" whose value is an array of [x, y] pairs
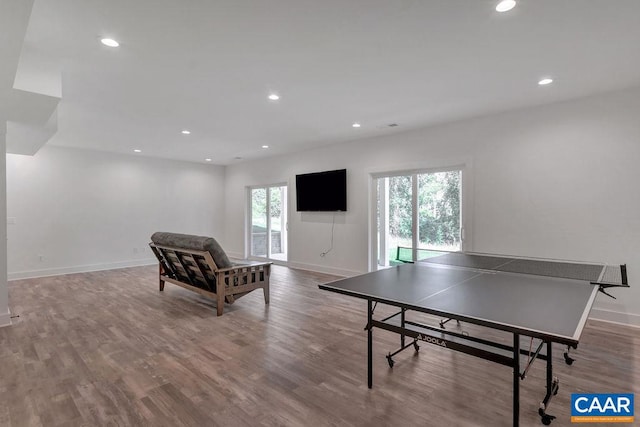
{"points": [[208, 66]]}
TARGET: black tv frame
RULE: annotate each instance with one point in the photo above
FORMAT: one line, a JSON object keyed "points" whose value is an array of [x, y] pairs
{"points": [[324, 191]]}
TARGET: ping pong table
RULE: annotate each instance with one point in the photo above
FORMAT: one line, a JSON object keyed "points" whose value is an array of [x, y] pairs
{"points": [[532, 299]]}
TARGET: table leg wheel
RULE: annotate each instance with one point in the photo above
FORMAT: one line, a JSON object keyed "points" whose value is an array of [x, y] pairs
{"points": [[568, 360], [544, 417], [416, 346], [390, 360]]}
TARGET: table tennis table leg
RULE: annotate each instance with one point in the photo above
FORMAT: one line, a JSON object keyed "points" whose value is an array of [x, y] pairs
{"points": [[369, 345], [402, 320], [516, 380], [553, 384]]}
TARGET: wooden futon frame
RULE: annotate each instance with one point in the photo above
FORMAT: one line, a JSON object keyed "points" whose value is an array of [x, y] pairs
{"points": [[197, 271]]}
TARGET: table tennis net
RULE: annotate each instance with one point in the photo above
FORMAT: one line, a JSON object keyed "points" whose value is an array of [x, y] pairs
{"points": [[404, 254], [597, 273]]}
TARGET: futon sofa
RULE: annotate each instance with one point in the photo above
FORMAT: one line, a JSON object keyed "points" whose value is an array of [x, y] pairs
{"points": [[199, 264]]}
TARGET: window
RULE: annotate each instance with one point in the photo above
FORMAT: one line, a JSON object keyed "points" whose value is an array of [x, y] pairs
{"points": [[417, 215], [268, 222]]}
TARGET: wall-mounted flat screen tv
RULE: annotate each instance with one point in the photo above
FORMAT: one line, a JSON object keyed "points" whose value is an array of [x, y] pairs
{"points": [[322, 191]]}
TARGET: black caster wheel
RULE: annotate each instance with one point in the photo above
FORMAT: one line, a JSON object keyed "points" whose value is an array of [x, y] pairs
{"points": [[544, 417], [416, 346], [568, 359], [390, 360]]}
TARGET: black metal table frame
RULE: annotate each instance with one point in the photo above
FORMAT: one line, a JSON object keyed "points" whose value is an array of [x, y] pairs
{"points": [[469, 345]]}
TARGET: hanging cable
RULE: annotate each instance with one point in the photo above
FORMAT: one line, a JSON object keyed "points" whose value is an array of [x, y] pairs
{"points": [[333, 224]]}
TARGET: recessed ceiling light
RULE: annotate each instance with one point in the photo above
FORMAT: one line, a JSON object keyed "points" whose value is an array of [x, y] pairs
{"points": [[186, 132], [505, 5], [274, 97], [265, 146], [545, 81], [355, 125], [110, 42], [137, 151], [207, 160]]}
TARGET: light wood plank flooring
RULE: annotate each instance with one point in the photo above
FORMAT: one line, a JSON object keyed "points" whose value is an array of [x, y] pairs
{"points": [[107, 348]]}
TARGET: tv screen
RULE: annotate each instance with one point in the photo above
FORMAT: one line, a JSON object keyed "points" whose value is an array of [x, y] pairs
{"points": [[322, 191]]}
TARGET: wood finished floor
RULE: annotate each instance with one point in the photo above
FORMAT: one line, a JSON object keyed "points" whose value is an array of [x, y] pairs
{"points": [[106, 348]]}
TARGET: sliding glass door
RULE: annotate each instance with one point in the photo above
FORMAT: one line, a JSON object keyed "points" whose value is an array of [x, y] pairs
{"points": [[268, 222], [418, 214]]}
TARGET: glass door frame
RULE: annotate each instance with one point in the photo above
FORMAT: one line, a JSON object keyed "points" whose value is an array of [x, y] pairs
{"points": [[466, 203], [284, 232]]}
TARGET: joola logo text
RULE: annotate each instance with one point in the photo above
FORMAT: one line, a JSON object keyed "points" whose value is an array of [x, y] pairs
{"points": [[432, 340]]}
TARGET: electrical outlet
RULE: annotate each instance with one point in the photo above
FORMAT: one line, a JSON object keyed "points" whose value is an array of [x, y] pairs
{"points": [[11, 220]]}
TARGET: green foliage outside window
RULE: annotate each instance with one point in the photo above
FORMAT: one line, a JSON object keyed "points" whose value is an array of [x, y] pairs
{"points": [[259, 206], [438, 204]]}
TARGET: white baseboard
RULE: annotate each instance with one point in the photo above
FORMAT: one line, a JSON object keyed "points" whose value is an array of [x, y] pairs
{"points": [[5, 319], [235, 255], [627, 319], [79, 269], [324, 269], [308, 267]]}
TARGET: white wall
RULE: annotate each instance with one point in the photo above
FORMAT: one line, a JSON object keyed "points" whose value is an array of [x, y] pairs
{"points": [[82, 210], [556, 181]]}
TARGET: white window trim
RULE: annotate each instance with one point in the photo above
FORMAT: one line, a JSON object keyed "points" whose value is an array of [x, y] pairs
{"points": [[466, 195], [248, 224]]}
